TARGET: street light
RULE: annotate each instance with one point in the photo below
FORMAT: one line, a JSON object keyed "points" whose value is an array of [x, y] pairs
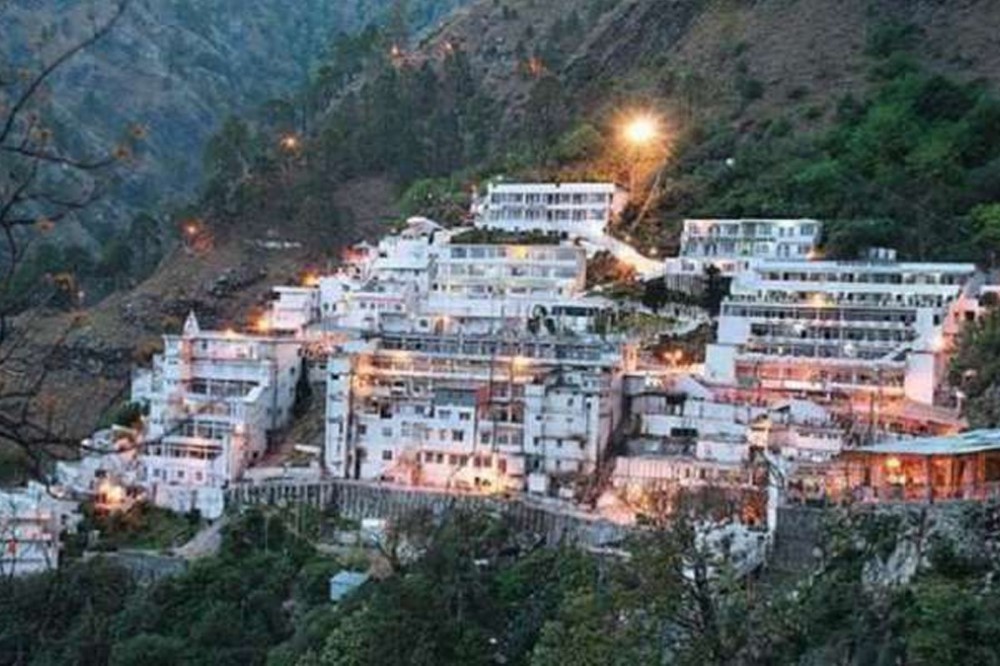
{"points": [[641, 129]]}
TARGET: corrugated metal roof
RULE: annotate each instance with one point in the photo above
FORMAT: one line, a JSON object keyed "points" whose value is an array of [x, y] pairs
{"points": [[974, 441]]}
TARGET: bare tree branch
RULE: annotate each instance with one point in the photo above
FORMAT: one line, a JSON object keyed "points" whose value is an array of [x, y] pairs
{"points": [[41, 183]]}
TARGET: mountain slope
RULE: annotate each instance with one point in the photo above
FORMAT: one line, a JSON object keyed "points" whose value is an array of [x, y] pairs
{"points": [[177, 69], [540, 65], [801, 51]]}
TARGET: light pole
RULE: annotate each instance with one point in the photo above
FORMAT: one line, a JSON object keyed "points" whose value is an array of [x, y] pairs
{"points": [[639, 132]]}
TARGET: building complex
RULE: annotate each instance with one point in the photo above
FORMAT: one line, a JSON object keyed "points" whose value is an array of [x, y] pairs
{"points": [[855, 328], [472, 361]]}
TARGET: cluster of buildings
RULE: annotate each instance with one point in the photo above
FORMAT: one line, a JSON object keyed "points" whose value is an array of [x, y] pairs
{"points": [[473, 361], [34, 518], [455, 360]]}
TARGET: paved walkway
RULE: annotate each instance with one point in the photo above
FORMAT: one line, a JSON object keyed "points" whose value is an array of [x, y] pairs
{"points": [[646, 268], [205, 543]]}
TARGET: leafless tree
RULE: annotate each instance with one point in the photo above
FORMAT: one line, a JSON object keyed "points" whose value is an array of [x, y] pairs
{"points": [[42, 183]]}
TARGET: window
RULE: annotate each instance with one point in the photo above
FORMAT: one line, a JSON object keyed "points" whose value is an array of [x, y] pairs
{"points": [[362, 429], [387, 454], [387, 432], [457, 435]]}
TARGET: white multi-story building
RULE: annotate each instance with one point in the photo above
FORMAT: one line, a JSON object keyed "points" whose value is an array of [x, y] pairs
{"points": [[731, 245], [576, 210], [863, 328], [31, 522], [425, 278], [214, 398], [480, 412], [688, 434], [291, 310], [477, 287]]}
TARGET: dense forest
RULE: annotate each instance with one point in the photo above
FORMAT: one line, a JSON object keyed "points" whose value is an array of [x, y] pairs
{"points": [[469, 590]]}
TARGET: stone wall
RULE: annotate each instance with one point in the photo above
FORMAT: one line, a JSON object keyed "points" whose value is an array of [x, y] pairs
{"points": [[558, 524], [798, 535]]}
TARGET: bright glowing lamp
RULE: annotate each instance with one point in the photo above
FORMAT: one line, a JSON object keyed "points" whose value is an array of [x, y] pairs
{"points": [[641, 129]]}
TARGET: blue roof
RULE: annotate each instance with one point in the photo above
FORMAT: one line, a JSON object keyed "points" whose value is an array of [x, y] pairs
{"points": [[973, 441], [345, 582]]}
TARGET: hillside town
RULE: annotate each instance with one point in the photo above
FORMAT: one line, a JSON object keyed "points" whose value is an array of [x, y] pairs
{"points": [[483, 359]]}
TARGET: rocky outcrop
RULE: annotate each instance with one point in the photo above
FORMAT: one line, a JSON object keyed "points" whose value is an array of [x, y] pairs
{"points": [[895, 542]]}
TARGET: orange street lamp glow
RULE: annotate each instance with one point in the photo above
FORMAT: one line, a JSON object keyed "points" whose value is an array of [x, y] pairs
{"points": [[641, 129], [290, 142]]}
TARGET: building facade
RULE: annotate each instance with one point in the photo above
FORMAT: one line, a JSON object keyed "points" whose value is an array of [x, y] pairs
{"points": [[213, 398], [862, 329], [486, 413], [570, 209], [731, 245], [31, 522]]}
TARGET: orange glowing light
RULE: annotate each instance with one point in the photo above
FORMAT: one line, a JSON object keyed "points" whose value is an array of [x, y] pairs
{"points": [[112, 494], [290, 142], [641, 129], [310, 280], [893, 464]]}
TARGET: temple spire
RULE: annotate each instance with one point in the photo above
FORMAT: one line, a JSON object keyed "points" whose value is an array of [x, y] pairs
{"points": [[191, 327]]}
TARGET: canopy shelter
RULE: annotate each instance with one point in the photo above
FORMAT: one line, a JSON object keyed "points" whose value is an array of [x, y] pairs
{"points": [[962, 466]]}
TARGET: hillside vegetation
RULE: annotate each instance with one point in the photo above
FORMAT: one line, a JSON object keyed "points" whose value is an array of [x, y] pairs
{"points": [[472, 591]]}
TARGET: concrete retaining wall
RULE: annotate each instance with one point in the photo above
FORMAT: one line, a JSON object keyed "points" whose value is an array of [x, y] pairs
{"points": [[354, 500], [798, 534]]}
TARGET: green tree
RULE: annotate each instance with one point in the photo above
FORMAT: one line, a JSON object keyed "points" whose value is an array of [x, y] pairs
{"points": [[986, 226], [148, 650]]}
